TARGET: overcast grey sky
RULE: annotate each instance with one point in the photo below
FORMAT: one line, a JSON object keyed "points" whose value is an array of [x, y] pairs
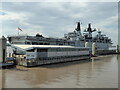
{"points": [[54, 19]]}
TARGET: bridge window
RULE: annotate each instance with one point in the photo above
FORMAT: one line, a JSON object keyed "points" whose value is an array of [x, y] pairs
{"points": [[32, 50], [40, 43], [41, 50]]}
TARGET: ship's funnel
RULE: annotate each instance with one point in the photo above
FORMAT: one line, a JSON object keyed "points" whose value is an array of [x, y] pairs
{"points": [[89, 25], [78, 27]]}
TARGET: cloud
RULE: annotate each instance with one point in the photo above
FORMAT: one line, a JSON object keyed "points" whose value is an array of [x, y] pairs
{"points": [[12, 16], [57, 18]]}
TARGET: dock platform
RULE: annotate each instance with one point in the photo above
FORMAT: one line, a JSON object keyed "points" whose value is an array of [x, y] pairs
{"points": [[6, 65]]}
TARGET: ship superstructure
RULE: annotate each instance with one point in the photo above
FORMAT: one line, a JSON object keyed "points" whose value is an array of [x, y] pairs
{"points": [[75, 38], [38, 40], [101, 40]]}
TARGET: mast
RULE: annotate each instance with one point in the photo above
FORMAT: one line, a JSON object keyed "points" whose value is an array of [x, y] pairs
{"points": [[89, 30]]}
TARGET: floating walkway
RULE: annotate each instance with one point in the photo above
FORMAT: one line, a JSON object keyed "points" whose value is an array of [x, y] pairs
{"points": [[6, 65]]}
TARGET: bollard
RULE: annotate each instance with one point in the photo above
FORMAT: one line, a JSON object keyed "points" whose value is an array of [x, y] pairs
{"points": [[2, 49], [118, 49], [93, 49], [86, 44]]}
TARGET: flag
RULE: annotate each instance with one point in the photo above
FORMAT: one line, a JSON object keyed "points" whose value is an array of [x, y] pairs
{"points": [[20, 29]]}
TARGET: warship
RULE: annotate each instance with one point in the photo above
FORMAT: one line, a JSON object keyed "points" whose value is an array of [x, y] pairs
{"points": [[75, 38]]}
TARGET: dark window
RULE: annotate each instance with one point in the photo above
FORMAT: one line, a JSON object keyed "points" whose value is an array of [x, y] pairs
{"points": [[60, 44], [27, 42], [32, 50], [40, 43], [34, 43], [46, 44], [41, 50]]}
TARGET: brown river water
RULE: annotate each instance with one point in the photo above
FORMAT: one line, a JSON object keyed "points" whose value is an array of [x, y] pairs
{"points": [[101, 72]]}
